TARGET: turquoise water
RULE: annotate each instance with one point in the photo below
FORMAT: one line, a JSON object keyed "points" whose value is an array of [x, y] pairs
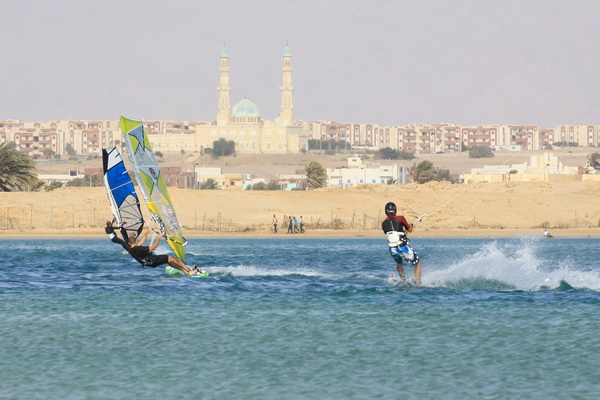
{"points": [[302, 319]]}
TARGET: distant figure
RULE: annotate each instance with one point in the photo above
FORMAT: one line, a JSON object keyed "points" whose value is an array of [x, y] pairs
{"points": [[396, 227], [290, 225], [274, 224], [296, 230], [547, 234], [301, 225]]}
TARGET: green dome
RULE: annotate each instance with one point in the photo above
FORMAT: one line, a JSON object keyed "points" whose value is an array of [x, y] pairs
{"points": [[245, 108]]}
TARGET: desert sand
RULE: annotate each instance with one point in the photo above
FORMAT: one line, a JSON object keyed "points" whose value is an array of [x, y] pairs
{"points": [[480, 210]]}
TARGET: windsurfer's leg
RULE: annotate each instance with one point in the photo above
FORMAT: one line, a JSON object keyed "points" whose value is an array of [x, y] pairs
{"points": [[121, 242], [178, 264]]}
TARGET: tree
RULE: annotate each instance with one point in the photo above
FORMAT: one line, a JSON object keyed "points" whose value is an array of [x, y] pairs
{"points": [[53, 185], [387, 153], [425, 172], [481, 152], [594, 160], [70, 150], [16, 170], [265, 186], [209, 184], [316, 176], [48, 152], [223, 147]]}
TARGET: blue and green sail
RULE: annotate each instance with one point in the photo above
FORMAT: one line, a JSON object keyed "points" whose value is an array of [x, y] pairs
{"points": [[152, 185]]}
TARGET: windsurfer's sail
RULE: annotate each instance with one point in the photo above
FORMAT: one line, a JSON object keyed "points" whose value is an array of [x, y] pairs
{"points": [[123, 200], [152, 185]]}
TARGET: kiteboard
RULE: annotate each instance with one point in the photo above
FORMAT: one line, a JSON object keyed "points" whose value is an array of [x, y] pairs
{"points": [[170, 271]]}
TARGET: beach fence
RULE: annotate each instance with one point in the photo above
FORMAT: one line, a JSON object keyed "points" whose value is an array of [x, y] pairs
{"points": [[35, 216], [221, 222], [31, 216]]}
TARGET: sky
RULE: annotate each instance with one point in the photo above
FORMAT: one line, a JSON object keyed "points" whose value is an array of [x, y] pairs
{"points": [[466, 62]]}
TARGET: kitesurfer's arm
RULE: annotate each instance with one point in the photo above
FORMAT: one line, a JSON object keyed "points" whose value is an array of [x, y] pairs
{"points": [[409, 228]]}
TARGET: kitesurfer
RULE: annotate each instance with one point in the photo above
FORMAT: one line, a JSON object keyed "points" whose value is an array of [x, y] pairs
{"points": [[396, 228], [145, 255]]}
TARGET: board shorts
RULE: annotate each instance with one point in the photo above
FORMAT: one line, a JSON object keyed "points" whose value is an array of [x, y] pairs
{"points": [[404, 253], [154, 260]]}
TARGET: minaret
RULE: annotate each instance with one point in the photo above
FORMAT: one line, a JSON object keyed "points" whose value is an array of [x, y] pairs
{"points": [[286, 117], [224, 89]]}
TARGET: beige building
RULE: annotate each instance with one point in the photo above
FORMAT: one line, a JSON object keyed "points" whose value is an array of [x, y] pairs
{"points": [[541, 168], [241, 123]]}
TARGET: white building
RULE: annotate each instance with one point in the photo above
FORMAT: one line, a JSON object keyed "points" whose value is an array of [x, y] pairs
{"points": [[359, 173]]}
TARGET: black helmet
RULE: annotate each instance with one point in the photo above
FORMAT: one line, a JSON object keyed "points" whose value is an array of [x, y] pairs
{"points": [[390, 208]]}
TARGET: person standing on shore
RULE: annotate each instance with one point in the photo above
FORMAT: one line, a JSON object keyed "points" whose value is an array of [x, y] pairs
{"points": [[301, 224], [396, 228], [274, 223], [290, 225]]}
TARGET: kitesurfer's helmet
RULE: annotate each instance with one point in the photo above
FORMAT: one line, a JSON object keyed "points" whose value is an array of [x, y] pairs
{"points": [[390, 208]]}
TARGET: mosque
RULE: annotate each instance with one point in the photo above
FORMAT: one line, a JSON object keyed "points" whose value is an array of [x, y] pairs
{"points": [[241, 123]]}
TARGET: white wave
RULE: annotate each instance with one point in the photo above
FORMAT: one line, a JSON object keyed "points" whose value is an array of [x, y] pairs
{"points": [[254, 271], [513, 264]]}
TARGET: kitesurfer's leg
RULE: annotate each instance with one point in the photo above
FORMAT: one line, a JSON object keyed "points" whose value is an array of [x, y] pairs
{"points": [[400, 270], [418, 272], [178, 264]]}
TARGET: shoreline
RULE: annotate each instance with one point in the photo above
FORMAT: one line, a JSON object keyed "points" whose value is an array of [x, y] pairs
{"points": [[93, 233]]}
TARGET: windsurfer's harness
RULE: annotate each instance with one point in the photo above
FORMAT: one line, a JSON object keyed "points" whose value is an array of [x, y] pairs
{"points": [[396, 239]]}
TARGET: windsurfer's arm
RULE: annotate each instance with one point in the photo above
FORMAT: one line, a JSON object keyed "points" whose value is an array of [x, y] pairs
{"points": [[142, 238], [155, 244]]}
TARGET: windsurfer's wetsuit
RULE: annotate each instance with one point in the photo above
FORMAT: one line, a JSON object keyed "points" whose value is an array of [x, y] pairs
{"points": [[110, 232], [147, 258], [395, 228]]}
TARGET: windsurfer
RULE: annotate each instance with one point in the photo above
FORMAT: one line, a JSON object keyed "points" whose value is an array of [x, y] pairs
{"points": [[110, 232], [149, 259]]}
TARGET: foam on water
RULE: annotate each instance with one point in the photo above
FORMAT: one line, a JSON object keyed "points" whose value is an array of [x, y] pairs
{"points": [[255, 271], [511, 266]]}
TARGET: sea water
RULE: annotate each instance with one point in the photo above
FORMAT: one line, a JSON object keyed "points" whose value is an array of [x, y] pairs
{"points": [[302, 318]]}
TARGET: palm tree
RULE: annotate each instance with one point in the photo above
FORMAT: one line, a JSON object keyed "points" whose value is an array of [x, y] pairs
{"points": [[316, 176], [209, 184], [16, 170]]}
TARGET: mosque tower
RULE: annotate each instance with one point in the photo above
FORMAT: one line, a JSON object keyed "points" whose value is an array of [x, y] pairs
{"points": [[224, 89], [286, 116]]}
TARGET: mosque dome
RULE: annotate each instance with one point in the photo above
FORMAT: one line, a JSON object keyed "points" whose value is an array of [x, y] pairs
{"points": [[245, 108]]}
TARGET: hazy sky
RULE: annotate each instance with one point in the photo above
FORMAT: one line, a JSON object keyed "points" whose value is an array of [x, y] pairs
{"points": [[386, 62]]}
